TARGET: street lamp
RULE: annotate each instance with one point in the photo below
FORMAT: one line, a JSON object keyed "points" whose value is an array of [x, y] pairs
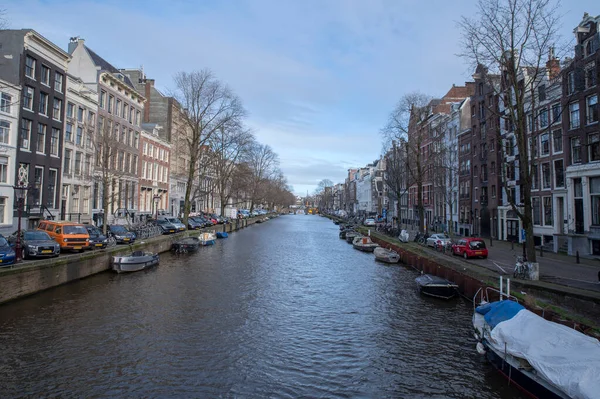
{"points": [[20, 193], [156, 200]]}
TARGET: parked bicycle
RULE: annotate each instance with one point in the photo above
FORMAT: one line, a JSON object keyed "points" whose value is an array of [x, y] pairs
{"points": [[521, 269]]}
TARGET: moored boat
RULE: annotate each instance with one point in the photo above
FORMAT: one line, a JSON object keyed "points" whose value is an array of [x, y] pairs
{"points": [[222, 234], [137, 261], [187, 244], [435, 286], [351, 235], [364, 244], [386, 255], [542, 358], [207, 238]]}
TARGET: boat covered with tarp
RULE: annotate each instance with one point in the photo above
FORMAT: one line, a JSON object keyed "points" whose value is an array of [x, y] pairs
{"points": [[386, 255], [543, 358]]}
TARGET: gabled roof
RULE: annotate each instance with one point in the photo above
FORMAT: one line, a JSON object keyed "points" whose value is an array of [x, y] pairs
{"points": [[107, 66]]}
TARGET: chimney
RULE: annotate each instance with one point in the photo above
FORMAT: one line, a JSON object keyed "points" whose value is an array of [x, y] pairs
{"points": [[553, 65], [74, 42]]}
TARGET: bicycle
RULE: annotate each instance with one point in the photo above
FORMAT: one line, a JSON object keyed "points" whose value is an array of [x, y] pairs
{"points": [[521, 270]]}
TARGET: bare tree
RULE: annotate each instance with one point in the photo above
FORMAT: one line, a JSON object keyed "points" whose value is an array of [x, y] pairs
{"points": [[208, 106], [407, 125], [228, 145], [263, 163], [3, 19], [513, 39]]}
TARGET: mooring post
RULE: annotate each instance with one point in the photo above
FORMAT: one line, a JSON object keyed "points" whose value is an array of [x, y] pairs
{"points": [[491, 241], [512, 244], [577, 257], [541, 251]]}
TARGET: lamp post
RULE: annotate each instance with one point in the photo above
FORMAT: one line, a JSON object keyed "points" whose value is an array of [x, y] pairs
{"points": [[156, 200], [20, 193]]}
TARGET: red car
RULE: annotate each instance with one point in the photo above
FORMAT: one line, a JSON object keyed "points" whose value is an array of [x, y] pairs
{"points": [[470, 247]]}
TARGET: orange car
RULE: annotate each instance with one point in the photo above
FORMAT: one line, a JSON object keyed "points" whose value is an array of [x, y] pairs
{"points": [[69, 235], [470, 247]]}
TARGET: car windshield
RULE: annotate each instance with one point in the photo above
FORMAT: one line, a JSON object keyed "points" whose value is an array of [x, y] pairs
{"points": [[118, 229], [479, 244], [36, 235], [75, 230], [3, 242], [173, 220], [94, 230], [162, 221]]}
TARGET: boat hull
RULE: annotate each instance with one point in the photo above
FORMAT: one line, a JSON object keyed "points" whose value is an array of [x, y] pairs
{"points": [[128, 264], [436, 287], [222, 234], [386, 256], [365, 247], [189, 244]]}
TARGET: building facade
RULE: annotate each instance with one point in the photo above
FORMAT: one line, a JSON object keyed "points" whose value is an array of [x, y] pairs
{"points": [[155, 155], [10, 100]]}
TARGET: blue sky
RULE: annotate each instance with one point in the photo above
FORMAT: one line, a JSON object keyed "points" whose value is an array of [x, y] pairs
{"points": [[318, 78]]}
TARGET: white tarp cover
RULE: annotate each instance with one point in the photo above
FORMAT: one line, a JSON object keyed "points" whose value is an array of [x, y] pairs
{"points": [[567, 358]]}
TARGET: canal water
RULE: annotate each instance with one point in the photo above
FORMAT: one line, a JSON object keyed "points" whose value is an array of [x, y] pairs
{"points": [[283, 309]]}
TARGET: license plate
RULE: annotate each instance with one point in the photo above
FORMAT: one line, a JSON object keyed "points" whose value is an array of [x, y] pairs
{"points": [[76, 247], [98, 245], [125, 239], [46, 251], [171, 231], [479, 253], [0, 260]]}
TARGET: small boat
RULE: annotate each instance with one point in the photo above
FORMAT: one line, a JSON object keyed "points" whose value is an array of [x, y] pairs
{"points": [[137, 261], [435, 286], [343, 234], [188, 244], [364, 244], [540, 357], [207, 238], [351, 235], [222, 234], [386, 255]]}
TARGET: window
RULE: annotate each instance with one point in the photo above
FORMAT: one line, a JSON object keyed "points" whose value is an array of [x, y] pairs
{"points": [[77, 163], [120, 160], [592, 109], [91, 118], [529, 123], [45, 76], [575, 150], [131, 114], [56, 109], [542, 92], [595, 196], [67, 165], [70, 110], [118, 108], [54, 140], [4, 131], [30, 67], [38, 184], [102, 99], [556, 113], [5, 102], [590, 75], [493, 191], [547, 211], [111, 100], [25, 134], [80, 113], [128, 162], [3, 169], [571, 82], [537, 211], [557, 140], [79, 136], [535, 177], [87, 165], [493, 166], [137, 118], [559, 173], [574, 115], [543, 118], [123, 134], [144, 169], [546, 176], [58, 82], [28, 98], [594, 147], [136, 140], [69, 132], [135, 165], [41, 139], [128, 142], [43, 105], [52, 180], [125, 110], [545, 144]]}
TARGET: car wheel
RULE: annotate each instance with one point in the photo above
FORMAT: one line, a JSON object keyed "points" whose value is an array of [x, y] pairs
{"points": [[465, 255], [24, 254]]}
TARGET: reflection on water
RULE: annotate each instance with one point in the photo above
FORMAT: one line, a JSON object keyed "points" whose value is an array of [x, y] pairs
{"points": [[281, 309]]}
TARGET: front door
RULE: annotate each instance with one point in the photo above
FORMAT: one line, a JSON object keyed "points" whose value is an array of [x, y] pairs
{"points": [[512, 230], [560, 215]]}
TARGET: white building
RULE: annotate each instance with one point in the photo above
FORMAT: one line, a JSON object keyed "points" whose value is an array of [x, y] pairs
{"points": [[9, 129]]}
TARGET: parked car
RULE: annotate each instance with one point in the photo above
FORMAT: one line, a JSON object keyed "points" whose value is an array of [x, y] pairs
{"points": [[202, 221], [175, 222], [7, 254], [69, 235], [369, 222], [436, 240], [35, 244], [120, 233], [193, 224], [166, 226], [470, 247], [97, 239]]}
